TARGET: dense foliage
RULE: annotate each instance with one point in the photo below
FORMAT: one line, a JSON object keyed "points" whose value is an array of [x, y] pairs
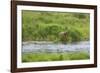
{"points": [[46, 26]]}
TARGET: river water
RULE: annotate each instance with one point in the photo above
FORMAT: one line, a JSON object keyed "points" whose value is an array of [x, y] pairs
{"points": [[54, 47]]}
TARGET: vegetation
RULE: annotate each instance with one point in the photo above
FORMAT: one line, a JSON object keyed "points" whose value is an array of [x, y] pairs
{"points": [[46, 26], [35, 57]]}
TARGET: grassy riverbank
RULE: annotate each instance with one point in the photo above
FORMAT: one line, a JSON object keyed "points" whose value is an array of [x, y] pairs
{"points": [[35, 57], [46, 26]]}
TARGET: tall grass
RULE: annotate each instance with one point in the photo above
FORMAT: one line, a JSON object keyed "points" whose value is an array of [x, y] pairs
{"points": [[35, 57], [39, 26]]}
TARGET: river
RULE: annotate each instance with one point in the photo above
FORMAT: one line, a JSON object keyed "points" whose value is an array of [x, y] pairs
{"points": [[36, 47]]}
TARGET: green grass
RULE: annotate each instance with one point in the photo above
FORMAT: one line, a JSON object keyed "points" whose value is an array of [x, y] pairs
{"points": [[35, 57], [46, 26]]}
